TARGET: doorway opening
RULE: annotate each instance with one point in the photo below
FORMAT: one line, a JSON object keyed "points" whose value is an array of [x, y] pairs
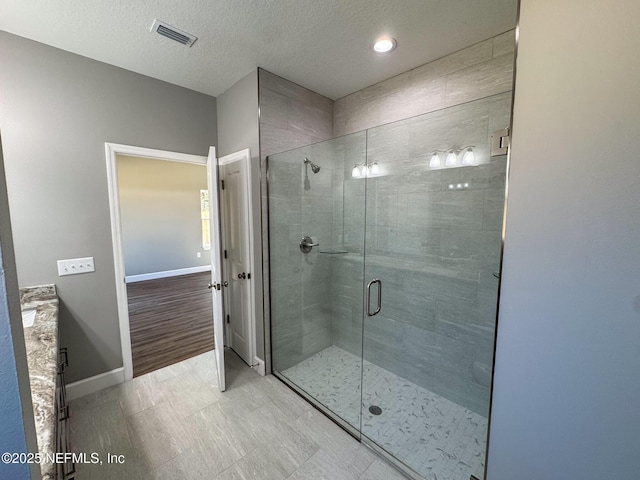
{"points": [[223, 213], [164, 218]]}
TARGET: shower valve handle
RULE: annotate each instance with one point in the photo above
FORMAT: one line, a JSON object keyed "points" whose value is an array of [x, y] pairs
{"points": [[306, 244]]}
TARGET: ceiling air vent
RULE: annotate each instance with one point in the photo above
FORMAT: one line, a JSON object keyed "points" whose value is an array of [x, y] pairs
{"points": [[173, 33]]}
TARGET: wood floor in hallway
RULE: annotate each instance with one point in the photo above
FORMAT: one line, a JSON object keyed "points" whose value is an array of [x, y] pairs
{"points": [[170, 320]]}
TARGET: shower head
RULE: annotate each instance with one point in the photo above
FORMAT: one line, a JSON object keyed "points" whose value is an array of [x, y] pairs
{"points": [[314, 168]]}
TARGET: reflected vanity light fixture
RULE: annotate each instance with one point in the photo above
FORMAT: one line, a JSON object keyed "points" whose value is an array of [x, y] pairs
{"points": [[452, 158], [359, 171]]}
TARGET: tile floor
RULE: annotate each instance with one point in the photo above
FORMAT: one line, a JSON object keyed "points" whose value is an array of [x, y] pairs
{"points": [[436, 437], [174, 424]]}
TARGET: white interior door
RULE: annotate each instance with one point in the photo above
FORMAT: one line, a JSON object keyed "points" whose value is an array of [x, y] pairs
{"points": [[235, 198], [216, 265]]}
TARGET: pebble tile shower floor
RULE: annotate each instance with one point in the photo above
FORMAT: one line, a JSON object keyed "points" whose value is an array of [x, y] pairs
{"points": [[436, 437], [174, 423]]}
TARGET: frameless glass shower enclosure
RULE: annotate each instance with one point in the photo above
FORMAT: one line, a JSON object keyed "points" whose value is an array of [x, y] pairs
{"points": [[384, 259]]}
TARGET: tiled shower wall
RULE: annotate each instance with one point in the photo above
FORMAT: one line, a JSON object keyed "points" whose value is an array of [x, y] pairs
{"points": [[292, 116], [434, 248], [478, 71]]}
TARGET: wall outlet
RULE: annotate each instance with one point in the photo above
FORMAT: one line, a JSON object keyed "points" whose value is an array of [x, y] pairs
{"points": [[198, 254], [73, 266]]}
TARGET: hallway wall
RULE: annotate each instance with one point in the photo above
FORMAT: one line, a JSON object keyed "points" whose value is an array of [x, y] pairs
{"points": [[160, 215]]}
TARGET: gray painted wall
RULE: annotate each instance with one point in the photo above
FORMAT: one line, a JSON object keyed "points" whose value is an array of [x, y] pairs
{"points": [[16, 422], [160, 214], [56, 111], [567, 378], [237, 130]]}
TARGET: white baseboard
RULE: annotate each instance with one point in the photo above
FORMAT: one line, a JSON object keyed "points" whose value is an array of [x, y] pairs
{"points": [[258, 366], [167, 273], [95, 384]]}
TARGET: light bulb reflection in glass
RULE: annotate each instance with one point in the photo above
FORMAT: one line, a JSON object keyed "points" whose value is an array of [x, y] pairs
{"points": [[435, 160], [469, 157], [452, 159]]}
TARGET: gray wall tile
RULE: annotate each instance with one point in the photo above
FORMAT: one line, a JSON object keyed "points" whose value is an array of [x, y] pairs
{"points": [[434, 249], [448, 81], [505, 43], [488, 78], [292, 116]]}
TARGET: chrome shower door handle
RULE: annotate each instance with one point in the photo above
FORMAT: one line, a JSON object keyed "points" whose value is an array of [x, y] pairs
{"points": [[379, 306]]}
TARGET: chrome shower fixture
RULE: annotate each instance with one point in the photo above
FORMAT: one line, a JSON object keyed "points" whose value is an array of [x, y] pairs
{"points": [[314, 168]]}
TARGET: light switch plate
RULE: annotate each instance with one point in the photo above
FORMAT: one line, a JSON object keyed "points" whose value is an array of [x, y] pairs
{"points": [[73, 266]]}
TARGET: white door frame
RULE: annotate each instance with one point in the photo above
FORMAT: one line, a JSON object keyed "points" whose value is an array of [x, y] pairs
{"points": [[233, 157], [112, 150]]}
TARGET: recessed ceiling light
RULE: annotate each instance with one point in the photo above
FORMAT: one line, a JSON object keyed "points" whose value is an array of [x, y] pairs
{"points": [[384, 45]]}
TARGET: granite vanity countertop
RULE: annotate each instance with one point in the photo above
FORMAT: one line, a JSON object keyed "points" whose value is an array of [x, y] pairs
{"points": [[41, 341]]}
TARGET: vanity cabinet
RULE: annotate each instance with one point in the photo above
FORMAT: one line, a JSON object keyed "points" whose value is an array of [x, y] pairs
{"points": [[64, 471]]}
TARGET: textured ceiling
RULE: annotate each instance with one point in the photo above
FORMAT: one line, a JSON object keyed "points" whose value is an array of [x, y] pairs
{"points": [[321, 44]]}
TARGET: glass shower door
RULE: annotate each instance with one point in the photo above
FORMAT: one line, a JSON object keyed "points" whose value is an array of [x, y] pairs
{"points": [[316, 237], [435, 198]]}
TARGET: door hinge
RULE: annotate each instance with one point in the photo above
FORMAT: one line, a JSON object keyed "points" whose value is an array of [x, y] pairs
{"points": [[222, 184], [500, 142], [225, 254], [227, 318]]}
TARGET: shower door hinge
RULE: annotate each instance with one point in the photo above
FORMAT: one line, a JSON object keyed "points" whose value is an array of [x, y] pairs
{"points": [[222, 184], [500, 142], [227, 318]]}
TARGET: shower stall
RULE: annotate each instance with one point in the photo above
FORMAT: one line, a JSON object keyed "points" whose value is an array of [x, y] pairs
{"points": [[384, 267]]}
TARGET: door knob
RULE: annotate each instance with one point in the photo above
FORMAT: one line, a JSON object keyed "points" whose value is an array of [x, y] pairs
{"points": [[210, 286], [242, 275], [225, 284]]}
